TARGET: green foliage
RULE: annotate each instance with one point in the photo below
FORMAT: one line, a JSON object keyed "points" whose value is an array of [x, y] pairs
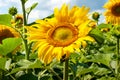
{"points": [[8, 45], [103, 25], [5, 19], [25, 64], [97, 35], [28, 10], [2, 63], [50, 16], [101, 58]]}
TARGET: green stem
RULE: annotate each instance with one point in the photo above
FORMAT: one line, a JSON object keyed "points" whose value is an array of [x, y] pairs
{"points": [[12, 77], [117, 62], [24, 30], [55, 74], [39, 76], [65, 74], [24, 13]]}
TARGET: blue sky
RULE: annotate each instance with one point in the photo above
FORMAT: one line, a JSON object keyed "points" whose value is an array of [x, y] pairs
{"points": [[46, 7]]}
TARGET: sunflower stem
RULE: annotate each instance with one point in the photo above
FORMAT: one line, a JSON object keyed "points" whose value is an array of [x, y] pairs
{"points": [[117, 62], [24, 30], [55, 74], [65, 74]]}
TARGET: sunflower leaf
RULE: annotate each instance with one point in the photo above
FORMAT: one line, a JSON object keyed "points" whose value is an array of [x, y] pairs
{"points": [[2, 63], [29, 9], [104, 26], [97, 35], [25, 64], [50, 16], [8, 45], [101, 58], [5, 19]]}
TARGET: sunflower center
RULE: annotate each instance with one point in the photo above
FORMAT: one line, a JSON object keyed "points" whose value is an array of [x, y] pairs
{"points": [[62, 35], [5, 34], [116, 10]]}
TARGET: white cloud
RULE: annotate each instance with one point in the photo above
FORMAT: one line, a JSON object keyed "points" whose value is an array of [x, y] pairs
{"points": [[14, 1], [56, 3], [45, 7], [3, 4], [38, 14]]}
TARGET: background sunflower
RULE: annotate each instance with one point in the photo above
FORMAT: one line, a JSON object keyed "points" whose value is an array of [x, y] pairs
{"points": [[112, 13], [7, 32]]}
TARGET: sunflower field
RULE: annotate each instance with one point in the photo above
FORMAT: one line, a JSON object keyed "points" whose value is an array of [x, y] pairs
{"points": [[70, 44]]}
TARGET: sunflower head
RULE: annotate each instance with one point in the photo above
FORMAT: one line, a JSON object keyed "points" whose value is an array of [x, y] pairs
{"points": [[112, 13], [17, 21], [7, 32], [60, 35]]}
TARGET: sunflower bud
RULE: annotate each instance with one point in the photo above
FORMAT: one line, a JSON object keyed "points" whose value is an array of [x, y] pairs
{"points": [[13, 11], [19, 20], [96, 16]]}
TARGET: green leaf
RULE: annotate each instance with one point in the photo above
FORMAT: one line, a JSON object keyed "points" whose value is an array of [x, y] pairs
{"points": [[102, 71], [83, 71], [50, 16], [97, 35], [104, 26], [74, 57], [107, 78], [8, 63], [33, 6], [101, 58], [108, 49], [5, 19], [2, 63], [9, 44], [28, 10], [25, 64]]}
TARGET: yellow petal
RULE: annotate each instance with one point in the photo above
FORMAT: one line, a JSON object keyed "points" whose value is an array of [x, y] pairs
{"points": [[58, 51], [48, 55], [37, 45], [42, 50]]}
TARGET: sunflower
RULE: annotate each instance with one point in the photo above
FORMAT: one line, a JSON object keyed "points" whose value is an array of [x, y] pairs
{"points": [[60, 35], [17, 21], [112, 13], [7, 32]]}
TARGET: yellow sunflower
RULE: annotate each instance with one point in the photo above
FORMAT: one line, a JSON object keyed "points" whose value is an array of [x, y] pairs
{"points": [[112, 13], [60, 35], [7, 32], [17, 21]]}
